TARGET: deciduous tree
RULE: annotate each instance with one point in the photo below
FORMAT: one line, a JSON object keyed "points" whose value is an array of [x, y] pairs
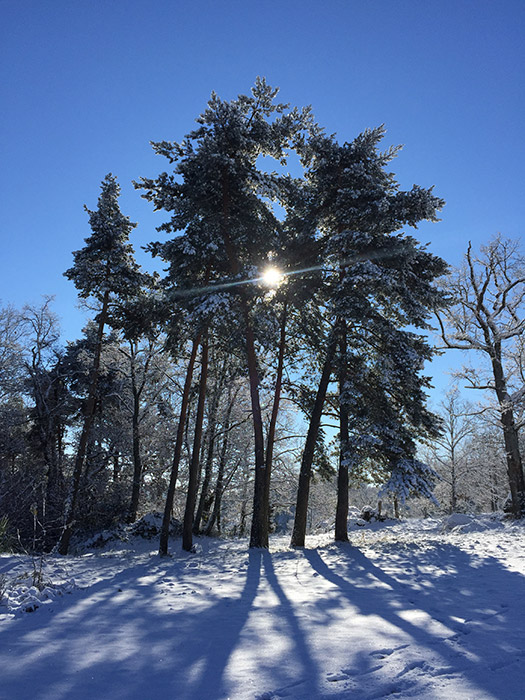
{"points": [[487, 316]]}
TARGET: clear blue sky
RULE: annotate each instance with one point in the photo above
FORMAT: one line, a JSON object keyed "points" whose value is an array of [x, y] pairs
{"points": [[87, 84]]}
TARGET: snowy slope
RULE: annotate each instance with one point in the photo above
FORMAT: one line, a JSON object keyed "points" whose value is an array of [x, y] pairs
{"points": [[424, 609]]}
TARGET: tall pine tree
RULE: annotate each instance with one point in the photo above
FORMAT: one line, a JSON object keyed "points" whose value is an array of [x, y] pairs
{"points": [[104, 270], [379, 283], [220, 199]]}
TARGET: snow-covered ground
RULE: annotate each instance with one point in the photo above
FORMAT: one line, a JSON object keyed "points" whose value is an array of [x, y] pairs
{"points": [[424, 608]]}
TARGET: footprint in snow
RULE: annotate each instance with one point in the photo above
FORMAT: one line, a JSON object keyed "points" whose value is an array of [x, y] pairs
{"points": [[382, 653], [334, 677], [420, 664]]}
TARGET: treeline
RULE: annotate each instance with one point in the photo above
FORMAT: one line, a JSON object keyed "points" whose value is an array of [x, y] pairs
{"points": [[130, 448], [180, 388]]}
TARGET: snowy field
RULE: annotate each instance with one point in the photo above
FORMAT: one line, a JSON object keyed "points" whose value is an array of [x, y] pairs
{"points": [[421, 609]]}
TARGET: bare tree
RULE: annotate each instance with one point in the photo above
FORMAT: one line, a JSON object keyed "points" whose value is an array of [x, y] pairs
{"points": [[487, 316], [12, 335], [449, 450]]}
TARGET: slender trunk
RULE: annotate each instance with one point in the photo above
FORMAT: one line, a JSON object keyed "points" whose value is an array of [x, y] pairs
{"points": [[341, 514], [219, 484], [187, 539], [137, 460], [54, 481], [259, 531], [219, 520], [204, 500], [303, 490], [270, 441], [116, 467], [453, 486], [493, 490], [244, 504], [165, 529], [63, 545]]}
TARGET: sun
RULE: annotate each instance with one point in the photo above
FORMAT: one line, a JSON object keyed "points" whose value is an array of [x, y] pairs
{"points": [[272, 276]]}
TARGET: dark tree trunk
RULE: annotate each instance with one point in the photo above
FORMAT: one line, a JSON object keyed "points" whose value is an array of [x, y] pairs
{"points": [[341, 513], [187, 532], [219, 484], [493, 490], [510, 434], [137, 460], [48, 412], [204, 500], [303, 491], [259, 531], [63, 545], [165, 529], [514, 465], [270, 441], [116, 467]]}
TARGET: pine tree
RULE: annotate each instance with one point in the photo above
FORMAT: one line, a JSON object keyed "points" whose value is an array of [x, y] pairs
{"points": [[380, 282], [103, 270], [221, 200]]}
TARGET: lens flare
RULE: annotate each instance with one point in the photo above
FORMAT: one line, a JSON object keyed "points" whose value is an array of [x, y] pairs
{"points": [[272, 276]]}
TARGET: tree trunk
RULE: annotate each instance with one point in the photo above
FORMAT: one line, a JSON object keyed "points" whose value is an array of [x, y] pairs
{"points": [[514, 465], [396, 508], [341, 513], [137, 460], [510, 434], [303, 491], [270, 441], [193, 481], [219, 484], [63, 545], [453, 479], [259, 531], [204, 500], [116, 467], [165, 529]]}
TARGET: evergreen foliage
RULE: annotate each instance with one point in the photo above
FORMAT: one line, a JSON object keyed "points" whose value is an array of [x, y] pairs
{"points": [[106, 263]]}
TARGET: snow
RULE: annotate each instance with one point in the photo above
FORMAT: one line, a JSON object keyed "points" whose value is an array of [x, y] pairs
{"points": [[429, 609]]}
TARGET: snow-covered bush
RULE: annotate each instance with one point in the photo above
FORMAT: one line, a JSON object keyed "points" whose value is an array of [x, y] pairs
{"points": [[150, 525]]}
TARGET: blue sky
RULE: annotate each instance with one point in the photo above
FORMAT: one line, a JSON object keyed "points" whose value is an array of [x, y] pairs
{"points": [[87, 85]]}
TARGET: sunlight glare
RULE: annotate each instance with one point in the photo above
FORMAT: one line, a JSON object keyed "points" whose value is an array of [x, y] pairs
{"points": [[272, 276]]}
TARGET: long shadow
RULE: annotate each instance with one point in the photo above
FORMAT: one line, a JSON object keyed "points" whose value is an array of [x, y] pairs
{"points": [[119, 640], [455, 599], [216, 653], [306, 680]]}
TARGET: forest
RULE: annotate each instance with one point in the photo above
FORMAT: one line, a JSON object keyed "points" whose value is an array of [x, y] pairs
{"points": [[272, 377]]}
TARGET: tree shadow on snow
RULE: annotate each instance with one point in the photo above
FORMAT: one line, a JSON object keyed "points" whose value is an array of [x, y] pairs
{"points": [[306, 671], [460, 622], [125, 639]]}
